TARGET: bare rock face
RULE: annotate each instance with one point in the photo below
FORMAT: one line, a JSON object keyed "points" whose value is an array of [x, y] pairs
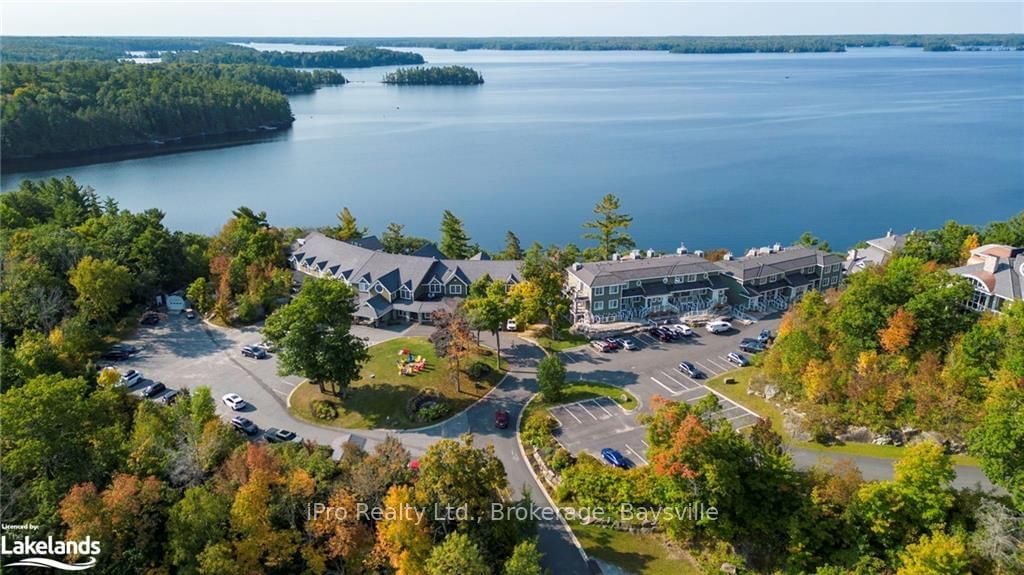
{"points": [[793, 424], [857, 434]]}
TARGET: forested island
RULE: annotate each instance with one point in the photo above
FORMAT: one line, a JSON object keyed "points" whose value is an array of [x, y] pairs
{"points": [[78, 107], [434, 76], [350, 57]]}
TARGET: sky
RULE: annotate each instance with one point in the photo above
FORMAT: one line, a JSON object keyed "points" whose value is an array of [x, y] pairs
{"points": [[503, 18]]}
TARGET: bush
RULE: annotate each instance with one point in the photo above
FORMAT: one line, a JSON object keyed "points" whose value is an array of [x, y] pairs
{"points": [[538, 428], [561, 459], [323, 409], [433, 411], [479, 370], [551, 378], [248, 310]]}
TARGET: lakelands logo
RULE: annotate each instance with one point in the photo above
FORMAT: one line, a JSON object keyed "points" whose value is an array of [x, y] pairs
{"points": [[27, 550]]}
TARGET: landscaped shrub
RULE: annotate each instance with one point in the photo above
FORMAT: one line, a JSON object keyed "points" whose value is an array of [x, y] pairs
{"points": [[561, 459], [538, 428], [433, 411], [248, 311], [479, 370], [323, 409]]}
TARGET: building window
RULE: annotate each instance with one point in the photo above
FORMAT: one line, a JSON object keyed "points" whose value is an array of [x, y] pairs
{"points": [[405, 293], [773, 278], [762, 281], [435, 288], [809, 270], [455, 289], [691, 278], [613, 304], [678, 279], [364, 286], [598, 305], [613, 289], [378, 288], [599, 290]]}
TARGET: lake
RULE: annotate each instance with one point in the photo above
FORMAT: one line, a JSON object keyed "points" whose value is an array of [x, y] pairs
{"points": [[711, 150]]}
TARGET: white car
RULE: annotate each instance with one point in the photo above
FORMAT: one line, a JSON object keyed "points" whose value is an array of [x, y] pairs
{"points": [[718, 327], [130, 378], [234, 401], [683, 329], [510, 325]]}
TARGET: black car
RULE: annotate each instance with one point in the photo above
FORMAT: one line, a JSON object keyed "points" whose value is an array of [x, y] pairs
{"points": [[691, 370], [115, 355], [244, 424], [254, 351], [275, 435], [154, 389], [751, 345], [766, 337], [149, 318]]}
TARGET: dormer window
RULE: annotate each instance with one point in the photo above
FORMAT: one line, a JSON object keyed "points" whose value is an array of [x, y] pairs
{"points": [[455, 289], [405, 293], [364, 286]]}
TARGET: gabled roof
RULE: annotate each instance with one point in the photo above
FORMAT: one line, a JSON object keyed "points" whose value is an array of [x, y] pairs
{"points": [[596, 274], [1004, 276], [788, 260], [428, 251], [369, 242]]}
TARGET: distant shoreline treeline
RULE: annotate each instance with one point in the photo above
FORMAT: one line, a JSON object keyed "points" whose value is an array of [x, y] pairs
{"points": [[350, 57], [80, 107], [42, 48]]}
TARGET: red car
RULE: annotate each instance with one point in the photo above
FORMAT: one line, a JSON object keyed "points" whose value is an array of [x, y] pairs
{"points": [[501, 419]]}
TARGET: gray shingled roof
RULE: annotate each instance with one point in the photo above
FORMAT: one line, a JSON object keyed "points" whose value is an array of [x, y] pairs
{"points": [[1007, 282], [394, 270], [788, 260], [597, 274]]}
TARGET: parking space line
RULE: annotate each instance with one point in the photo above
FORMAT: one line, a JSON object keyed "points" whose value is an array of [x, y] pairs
{"points": [[602, 407], [551, 412], [666, 387], [718, 365], [705, 368], [584, 408], [646, 445], [569, 411], [670, 377], [633, 451], [722, 397], [646, 339], [690, 379], [738, 416]]}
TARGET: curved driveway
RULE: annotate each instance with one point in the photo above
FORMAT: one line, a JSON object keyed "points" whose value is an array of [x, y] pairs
{"points": [[182, 353]]}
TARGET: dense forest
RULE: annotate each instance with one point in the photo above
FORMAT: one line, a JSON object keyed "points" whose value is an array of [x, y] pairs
{"points": [[350, 57], [53, 48], [73, 107], [434, 76]]}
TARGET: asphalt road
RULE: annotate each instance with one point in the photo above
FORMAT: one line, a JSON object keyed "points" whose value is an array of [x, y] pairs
{"points": [[182, 353]]}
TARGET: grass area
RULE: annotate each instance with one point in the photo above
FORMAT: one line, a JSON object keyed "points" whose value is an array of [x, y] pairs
{"points": [[379, 397], [634, 552], [580, 390], [566, 339], [738, 393]]}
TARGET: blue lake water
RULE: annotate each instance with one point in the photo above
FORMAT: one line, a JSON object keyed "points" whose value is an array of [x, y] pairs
{"points": [[711, 150]]}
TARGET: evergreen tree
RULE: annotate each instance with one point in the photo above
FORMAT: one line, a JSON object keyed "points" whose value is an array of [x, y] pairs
{"points": [[392, 239], [348, 228], [609, 228], [513, 249], [454, 240]]}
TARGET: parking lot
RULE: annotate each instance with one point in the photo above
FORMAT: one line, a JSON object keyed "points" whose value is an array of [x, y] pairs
{"points": [[647, 372]]}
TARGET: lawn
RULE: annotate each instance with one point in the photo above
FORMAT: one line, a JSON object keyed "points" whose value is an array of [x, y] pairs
{"points": [[634, 552], [566, 340], [738, 393], [580, 390], [378, 398]]}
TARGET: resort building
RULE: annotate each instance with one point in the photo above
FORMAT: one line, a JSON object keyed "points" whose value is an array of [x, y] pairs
{"points": [[395, 286], [997, 273], [877, 252], [680, 284]]}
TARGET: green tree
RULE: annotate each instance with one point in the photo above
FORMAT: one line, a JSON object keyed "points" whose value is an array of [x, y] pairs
{"points": [[454, 240], [809, 240], [551, 378], [525, 560], [198, 293], [547, 273], [348, 228], [609, 228], [102, 286], [513, 249], [393, 239], [313, 338], [199, 520], [489, 306], [938, 554], [998, 440], [457, 554]]}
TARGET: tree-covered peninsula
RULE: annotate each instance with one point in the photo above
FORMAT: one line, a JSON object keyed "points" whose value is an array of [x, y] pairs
{"points": [[350, 57], [434, 76], [78, 107]]}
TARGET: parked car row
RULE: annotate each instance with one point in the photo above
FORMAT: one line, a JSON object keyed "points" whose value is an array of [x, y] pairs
{"points": [[667, 333], [270, 435], [614, 343], [133, 377]]}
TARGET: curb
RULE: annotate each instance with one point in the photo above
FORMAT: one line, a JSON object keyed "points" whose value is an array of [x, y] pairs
{"points": [[543, 490]]}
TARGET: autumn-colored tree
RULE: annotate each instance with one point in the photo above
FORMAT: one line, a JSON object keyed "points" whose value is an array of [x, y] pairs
{"points": [[970, 243], [403, 536], [938, 554], [127, 517], [340, 535], [897, 335]]}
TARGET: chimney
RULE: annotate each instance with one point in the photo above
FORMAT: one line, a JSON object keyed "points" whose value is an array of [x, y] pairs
{"points": [[699, 253], [728, 256], [577, 266], [615, 257], [888, 234], [681, 249], [751, 252], [777, 248], [634, 254], [650, 253], [991, 264]]}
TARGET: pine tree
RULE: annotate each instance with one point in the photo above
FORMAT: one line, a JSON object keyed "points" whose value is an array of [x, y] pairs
{"points": [[609, 228], [454, 241], [513, 249], [348, 229]]}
